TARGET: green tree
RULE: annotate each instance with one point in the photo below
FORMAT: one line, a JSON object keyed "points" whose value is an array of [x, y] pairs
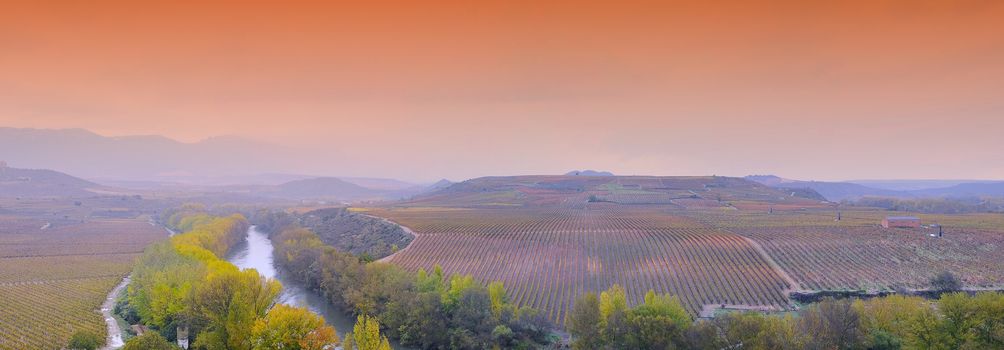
{"points": [[84, 340], [424, 312], [584, 322], [958, 318], [149, 341], [882, 340], [658, 323], [945, 282], [473, 314], [987, 330], [161, 282], [890, 317], [926, 331], [458, 284]]}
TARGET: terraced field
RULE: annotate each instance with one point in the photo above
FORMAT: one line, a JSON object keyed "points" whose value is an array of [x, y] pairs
{"points": [[53, 280]]}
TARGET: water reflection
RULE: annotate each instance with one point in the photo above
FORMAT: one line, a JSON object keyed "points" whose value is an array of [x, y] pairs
{"points": [[256, 254]]}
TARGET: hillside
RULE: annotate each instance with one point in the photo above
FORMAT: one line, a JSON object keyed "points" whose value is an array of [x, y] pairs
{"points": [[324, 187], [16, 182], [355, 233], [983, 189], [839, 191], [576, 191]]}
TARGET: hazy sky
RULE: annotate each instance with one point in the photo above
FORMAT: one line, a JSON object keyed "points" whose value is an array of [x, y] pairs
{"points": [[428, 89]]}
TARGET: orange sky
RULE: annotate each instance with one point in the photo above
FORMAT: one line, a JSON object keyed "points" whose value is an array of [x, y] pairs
{"points": [[429, 89]]}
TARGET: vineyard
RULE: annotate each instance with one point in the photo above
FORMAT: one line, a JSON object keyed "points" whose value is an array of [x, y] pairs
{"points": [[53, 279], [855, 253], [549, 239], [548, 258]]}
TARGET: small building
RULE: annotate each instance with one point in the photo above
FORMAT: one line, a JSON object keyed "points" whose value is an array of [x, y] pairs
{"points": [[183, 337], [139, 329], [901, 222]]}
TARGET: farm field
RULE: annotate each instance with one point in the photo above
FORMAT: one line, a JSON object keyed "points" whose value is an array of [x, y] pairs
{"points": [[856, 253], [549, 239], [53, 279], [547, 261]]}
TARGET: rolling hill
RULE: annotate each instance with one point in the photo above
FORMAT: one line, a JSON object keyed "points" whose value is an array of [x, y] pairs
{"points": [[324, 187], [575, 191], [839, 191], [16, 182]]}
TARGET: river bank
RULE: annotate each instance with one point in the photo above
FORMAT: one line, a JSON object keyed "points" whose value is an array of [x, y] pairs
{"points": [[256, 253]]}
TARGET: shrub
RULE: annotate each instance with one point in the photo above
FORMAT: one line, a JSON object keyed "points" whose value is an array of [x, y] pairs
{"points": [[946, 282], [149, 341], [84, 340]]}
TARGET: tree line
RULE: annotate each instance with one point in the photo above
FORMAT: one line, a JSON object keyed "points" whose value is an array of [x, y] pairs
{"points": [[954, 321], [182, 283], [934, 205]]}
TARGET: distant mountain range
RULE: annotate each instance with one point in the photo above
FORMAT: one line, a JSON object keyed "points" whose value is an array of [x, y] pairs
{"points": [[589, 173], [89, 155], [158, 163], [851, 190]]}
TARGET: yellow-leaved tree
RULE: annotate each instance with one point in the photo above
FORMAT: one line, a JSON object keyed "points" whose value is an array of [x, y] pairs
{"points": [[294, 328], [366, 336]]}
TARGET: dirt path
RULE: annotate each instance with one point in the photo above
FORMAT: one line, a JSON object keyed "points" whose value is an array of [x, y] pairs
{"points": [[114, 340], [795, 287], [406, 229]]}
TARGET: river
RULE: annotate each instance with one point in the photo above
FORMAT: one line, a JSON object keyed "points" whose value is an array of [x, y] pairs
{"points": [[256, 253]]}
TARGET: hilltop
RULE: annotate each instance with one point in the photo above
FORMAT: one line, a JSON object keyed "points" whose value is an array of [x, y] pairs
{"points": [[589, 173], [571, 190]]}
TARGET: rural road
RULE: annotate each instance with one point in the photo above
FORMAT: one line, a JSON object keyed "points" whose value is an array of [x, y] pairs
{"points": [[407, 230], [114, 340]]}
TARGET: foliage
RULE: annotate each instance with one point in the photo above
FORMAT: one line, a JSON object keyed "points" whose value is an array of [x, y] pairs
{"points": [[584, 322], [149, 341], [183, 282], [946, 282], [230, 302], [84, 340], [955, 321], [935, 205], [286, 327], [658, 323], [365, 335]]}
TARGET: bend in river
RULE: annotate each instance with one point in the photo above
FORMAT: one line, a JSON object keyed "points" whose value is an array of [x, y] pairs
{"points": [[256, 253]]}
